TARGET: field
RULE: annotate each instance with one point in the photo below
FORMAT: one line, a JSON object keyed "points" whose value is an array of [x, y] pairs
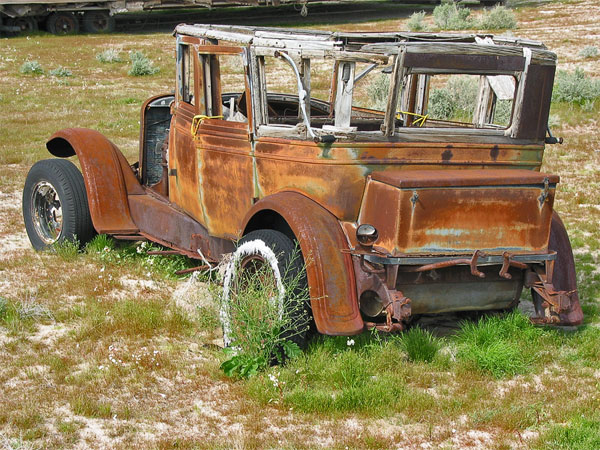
{"points": [[107, 348]]}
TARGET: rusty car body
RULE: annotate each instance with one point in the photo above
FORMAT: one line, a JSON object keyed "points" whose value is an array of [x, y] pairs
{"points": [[397, 212]]}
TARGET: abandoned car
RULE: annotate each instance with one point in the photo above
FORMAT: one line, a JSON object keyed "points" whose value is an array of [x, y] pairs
{"points": [[405, 167]]}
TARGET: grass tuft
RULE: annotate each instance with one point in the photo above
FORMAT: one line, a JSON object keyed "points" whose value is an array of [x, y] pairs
{"points": [[67, 250], [589, 51], [61, 71], [499, 346], [32, 68], [420, 345], [100, 243], [3, 308], [141, 65], [110, 55]]}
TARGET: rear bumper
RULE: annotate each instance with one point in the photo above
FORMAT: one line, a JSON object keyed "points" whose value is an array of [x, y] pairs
{"points": [[391, 289]]}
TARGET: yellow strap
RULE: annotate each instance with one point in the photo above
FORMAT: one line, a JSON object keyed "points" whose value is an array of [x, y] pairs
{"points": [[197, 120], [421, 118]]}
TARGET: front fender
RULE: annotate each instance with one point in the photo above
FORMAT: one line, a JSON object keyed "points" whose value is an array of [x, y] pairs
{"points": [[330, 272], [107, 175]]}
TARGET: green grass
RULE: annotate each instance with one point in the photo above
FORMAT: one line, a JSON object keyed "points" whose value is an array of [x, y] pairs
{"points": [[581, 433], [500, 346], [420, 345]]}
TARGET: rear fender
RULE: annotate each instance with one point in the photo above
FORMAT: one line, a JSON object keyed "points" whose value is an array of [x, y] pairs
{"points": [[107, 175], [330, 272]]}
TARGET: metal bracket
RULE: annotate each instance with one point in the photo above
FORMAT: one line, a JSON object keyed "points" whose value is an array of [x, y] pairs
{"points": [[544, 195], [507, 262]]}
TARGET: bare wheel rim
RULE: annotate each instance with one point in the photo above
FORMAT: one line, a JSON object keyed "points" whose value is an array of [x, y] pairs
{"points": [[248, 260], [46, 212]]}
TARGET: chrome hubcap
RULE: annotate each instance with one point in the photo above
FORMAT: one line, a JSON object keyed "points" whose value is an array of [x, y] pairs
{"points": [[46, 212]]}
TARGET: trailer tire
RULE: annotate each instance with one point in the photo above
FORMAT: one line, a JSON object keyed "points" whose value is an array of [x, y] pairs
{"points": [[98, 22], [55, 205], [279, 254], [26, 24], [62, 23]]}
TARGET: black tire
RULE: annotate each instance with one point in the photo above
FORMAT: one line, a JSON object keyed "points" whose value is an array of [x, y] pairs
{"points": [[55, 205], [98, 22], [26, 24], [62, 23], [290, 264]]}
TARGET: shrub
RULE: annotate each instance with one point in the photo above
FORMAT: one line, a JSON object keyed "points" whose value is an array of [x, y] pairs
{"points": [[32, 68], [30, 309], [590, 51], [455, 100], [378, 92], [415, 22], [141, 65], [110, 55], [420, 344], [498, 18], [449, 16], [575, 87], [61, 71]]}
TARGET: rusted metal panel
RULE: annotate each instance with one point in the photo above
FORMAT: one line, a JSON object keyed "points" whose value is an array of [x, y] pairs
{"points": [[107, 176], [456, 289], [329, 271], [225, 171], [334, 175], [424, 212]]}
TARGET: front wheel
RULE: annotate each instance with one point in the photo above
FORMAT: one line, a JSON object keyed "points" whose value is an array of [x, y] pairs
{"points": [[55, 205], [265, 294]]}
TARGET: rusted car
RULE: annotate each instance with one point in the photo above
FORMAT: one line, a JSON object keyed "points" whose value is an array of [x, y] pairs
{"points": [[406, 167]]}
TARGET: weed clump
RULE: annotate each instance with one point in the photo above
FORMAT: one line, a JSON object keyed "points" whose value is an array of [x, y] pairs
{"points": [[498, 18], [262, 317], [499, 346], [141, 65], [420, 345], [61, 71], [415, 22], [450, 16], [32, 68], [110, 55], [575, 87], [589, 51], [67, 250]]}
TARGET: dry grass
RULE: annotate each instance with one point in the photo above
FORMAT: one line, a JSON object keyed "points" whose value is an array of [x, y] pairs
{"points": [[109, 356]]}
